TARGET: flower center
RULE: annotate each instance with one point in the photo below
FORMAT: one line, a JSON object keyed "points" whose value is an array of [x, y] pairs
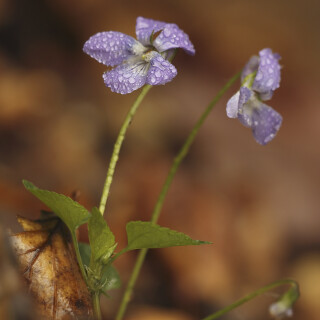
{"points": [[147, 56]]}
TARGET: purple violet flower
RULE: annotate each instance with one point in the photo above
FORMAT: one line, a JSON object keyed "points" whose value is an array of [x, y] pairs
{"points": [[141, 61], [260, 77]]}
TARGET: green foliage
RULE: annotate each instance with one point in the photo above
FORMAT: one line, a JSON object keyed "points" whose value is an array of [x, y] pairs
{"points": [[85, 253], [109, 277], [148, 235], [101, 238], [70, 212]]}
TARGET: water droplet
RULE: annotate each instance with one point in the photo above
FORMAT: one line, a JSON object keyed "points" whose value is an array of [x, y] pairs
{"points": [[153, 80], [167, 32], [158, 74], [120, 79], [132, 80], [259, 76], [143, 25], [269, 82]]}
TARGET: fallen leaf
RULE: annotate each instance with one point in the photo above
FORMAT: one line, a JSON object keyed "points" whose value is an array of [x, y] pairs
{"points": [[14, 301], [49, 266]]}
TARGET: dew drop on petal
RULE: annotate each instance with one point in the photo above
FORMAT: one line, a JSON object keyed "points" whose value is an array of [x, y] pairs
{"points": [[269, 82], [158, 74], [143, 24], [259, 76], [132, 80], [167, 32]]}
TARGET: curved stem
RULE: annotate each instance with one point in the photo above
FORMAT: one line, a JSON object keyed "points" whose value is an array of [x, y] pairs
{"points": [[117, 147], [250, 296], [78, 255], [96, 306], [157, 209]]}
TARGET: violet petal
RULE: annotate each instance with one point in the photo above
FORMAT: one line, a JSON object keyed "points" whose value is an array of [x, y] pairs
{"points": [[127, 77], [110, 48], [268, 75], [251, 66], [232, 106], [145, 28], [161, 71], [245, 106], [173, 37], [265, 123]]}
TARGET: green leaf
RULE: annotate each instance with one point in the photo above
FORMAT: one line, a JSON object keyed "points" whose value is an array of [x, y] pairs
{"points": [[148, 235], [101, 238], [110, 277], [70, 212]]}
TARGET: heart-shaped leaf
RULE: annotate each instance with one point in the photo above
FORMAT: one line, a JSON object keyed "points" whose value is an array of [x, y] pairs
{"points": [[143, 234], [70, 212]]}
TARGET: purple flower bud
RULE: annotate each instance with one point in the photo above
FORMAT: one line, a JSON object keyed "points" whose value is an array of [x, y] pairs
{"points": [[138, 62]]}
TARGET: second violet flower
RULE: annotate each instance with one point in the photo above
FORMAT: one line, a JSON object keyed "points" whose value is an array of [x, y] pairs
{"points": [[260, 78], [141, 61]]}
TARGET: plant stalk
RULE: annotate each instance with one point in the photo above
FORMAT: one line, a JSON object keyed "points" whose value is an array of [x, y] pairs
{"points": [[78, 255], [117, 147], [96, 306], [250, 296]]}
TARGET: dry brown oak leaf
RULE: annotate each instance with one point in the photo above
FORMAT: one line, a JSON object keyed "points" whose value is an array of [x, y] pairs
{"points": [[48, 263]]}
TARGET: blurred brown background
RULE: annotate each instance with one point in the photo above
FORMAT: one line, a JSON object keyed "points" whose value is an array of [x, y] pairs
{"points": [[258, 205]]}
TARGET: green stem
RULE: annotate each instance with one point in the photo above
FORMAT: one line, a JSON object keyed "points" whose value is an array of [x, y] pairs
{"points": [[96, 306], [76, 248], [132, 281], [117, 147], [250, 296], [157, 209]]}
